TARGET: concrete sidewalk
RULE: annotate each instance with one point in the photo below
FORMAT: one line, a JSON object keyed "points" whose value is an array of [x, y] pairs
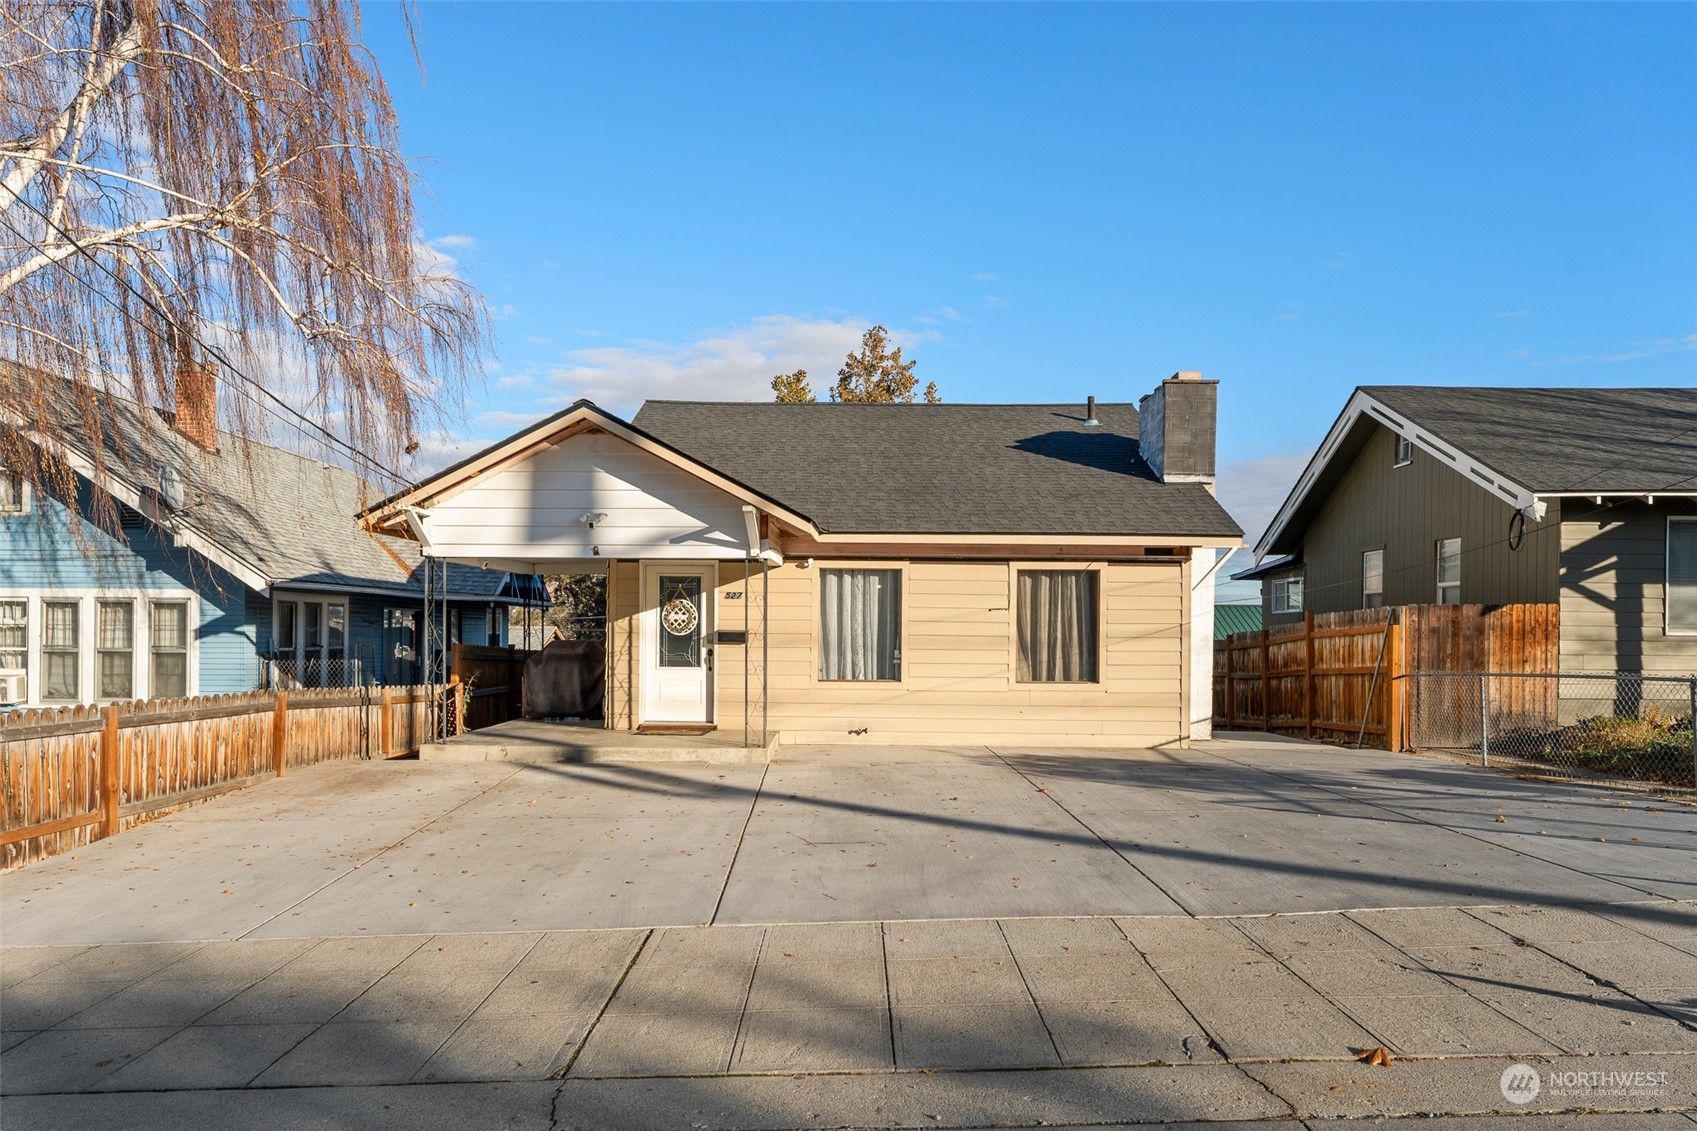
{"points": [[1163, 1019]]}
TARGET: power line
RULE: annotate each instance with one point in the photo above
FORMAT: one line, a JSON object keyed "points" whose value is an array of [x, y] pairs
{"points": [[217, 354]]}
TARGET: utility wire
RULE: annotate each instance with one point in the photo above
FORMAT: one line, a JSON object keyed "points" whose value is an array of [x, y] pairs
{"points": [[369, 462]]}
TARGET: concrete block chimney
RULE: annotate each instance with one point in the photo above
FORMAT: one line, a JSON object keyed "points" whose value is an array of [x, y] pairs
{"points": [[197, 404], [1175, 428]]}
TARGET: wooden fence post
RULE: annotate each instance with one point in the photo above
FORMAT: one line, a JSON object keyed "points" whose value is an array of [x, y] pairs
{"points": [[1308, 674], [1266, 687], [1231, 684], [386, 724], [1395, 687], [280, 733], [109, 775]]}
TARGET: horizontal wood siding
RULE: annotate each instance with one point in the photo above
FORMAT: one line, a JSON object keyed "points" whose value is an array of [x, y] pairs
{"points": [[1613, 574], [1405, 511], [533, 510], [958, 658]]}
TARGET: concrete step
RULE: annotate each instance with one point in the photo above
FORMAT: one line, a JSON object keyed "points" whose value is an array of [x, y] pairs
{"points": [[531, 740]]}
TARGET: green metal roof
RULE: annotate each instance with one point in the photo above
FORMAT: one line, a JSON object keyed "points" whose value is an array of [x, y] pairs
{"points": [[1236, 618]]}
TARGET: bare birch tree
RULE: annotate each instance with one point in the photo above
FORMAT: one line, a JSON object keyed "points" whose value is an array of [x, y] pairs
{"points": [[179, 174]]}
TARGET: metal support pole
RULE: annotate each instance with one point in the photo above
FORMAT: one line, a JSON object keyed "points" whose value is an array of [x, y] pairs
{"points": [[1484, 723], [765, 648], [1693, 686], [745, 656]]}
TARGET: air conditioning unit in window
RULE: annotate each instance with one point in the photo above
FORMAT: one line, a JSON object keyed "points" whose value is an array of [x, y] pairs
{"points": [[14, 688]]}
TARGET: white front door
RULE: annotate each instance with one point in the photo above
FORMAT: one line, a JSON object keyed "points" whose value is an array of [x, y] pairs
{"points": [[677, 643]]}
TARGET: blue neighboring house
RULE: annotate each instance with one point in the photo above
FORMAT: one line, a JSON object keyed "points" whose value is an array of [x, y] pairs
{"points": [[240, 566]]}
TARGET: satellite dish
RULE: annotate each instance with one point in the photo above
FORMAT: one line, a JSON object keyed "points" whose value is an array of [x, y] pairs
{"points": [[172, 489]]}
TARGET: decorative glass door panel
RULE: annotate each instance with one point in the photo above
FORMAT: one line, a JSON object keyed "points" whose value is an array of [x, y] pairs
{"points": [[680, 621]]}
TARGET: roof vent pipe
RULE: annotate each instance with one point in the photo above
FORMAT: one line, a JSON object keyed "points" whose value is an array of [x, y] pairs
{"points": [[1090, 412]]}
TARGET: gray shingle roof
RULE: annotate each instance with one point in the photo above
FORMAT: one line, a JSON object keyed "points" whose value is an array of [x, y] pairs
{"points": [[942, 469], [287, 516], [1554, 440]]}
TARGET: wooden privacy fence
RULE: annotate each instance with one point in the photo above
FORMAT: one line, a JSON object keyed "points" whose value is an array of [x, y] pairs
{"points": [[493, 678], [78, 774], [1345, 674]]}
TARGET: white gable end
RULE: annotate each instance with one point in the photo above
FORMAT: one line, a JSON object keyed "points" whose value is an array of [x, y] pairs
{"points": [[533, 511]]}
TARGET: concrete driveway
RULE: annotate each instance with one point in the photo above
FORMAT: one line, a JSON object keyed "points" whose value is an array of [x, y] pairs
{"points": [[869, 937], [834, 834]]}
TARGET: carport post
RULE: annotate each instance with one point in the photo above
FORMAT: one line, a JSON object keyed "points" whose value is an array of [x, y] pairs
{"points": [[745, 626]]}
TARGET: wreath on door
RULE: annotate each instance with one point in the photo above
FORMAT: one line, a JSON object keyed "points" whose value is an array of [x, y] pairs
{"points": [[678, 615]]}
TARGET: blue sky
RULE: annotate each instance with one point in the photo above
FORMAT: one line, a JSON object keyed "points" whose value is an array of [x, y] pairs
{"points": [[1047, 202]]}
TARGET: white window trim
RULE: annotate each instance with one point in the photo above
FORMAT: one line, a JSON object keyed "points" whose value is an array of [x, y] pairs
{"points": [[88, 663], [1380, 591], [1438, 570], [1667, 573], [26, 495], [1273, 594], [300, 599]]}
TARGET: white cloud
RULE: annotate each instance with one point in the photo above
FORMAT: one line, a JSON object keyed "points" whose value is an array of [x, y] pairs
{"points": [[1652, 348], [505, 311], [1252, 490], [454, 243], [1512, 314], [736, 364], [984, 277]]}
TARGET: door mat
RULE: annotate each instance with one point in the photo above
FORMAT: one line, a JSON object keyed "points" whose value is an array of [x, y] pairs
{"points": [[689, 730]]}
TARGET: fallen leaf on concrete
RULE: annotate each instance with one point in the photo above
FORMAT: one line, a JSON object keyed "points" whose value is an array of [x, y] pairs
{"points": [[1501, 820], [1378, 1055]]}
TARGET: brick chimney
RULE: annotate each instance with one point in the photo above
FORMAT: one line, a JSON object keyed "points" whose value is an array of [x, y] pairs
{"points": [[197, 404], [1175, 428]]}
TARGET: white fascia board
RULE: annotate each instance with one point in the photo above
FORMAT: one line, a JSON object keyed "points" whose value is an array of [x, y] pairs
{"points": [[1360, 404], [185, 536]]}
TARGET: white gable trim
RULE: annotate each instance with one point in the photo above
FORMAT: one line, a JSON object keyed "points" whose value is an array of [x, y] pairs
{"points": [[389, 514], [1361, 404], [184, 536]]}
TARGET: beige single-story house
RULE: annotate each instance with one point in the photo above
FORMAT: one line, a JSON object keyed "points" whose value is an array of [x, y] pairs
{"points": [[882, 573]]}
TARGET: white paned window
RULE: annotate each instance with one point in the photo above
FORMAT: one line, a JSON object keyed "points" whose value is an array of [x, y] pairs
{"points": [[1404, 451], [115, 642], [860, 623], [1287, 594], [61, 658], [1056, 618], [1373, 579], [14, 494], [169, 649], [14, 636], [1682, 575], [1449, 571]]}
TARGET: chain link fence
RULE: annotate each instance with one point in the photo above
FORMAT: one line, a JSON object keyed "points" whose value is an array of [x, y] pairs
{"points": [[1605, 726]]}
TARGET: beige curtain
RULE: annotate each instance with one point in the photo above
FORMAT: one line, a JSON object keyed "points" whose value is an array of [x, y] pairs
{"points": [[860, 624], [1057, 626]]}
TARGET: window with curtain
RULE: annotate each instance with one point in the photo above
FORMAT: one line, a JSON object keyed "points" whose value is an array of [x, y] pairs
{"points": [[860, 624], [115, 648], [169, 648], [1057, 625], [1449, 571], [14, 635], [1373, 579], [61, 661], [1682, 575]]}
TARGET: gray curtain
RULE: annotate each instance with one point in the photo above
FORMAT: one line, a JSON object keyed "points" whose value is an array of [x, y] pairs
{"points": [[860, 624], [1057, 626]]}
